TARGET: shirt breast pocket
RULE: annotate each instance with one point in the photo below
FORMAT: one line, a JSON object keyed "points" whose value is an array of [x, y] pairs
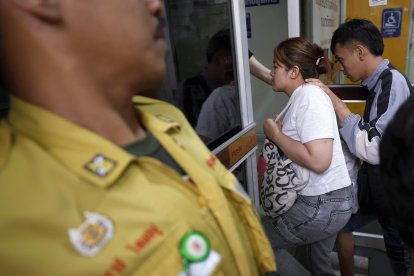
{"points": [[166, 258]]}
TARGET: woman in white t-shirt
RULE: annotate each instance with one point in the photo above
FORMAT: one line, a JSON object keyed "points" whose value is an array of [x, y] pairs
{"points": [[308, 135]]}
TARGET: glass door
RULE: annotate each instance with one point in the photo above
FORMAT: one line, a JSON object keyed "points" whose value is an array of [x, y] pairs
{"points": [[206, 78], [202, 49]]}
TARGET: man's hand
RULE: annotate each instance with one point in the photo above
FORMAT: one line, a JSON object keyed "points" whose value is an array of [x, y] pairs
{"points": [[340, 107], [320, 84]]}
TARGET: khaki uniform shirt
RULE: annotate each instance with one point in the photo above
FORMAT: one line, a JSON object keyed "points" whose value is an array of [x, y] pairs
{"points": [[73, 203]]}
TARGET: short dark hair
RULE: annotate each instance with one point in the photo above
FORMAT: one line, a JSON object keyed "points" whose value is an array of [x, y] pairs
{"points": [[397, 163], [220, 43], [359, 31]]}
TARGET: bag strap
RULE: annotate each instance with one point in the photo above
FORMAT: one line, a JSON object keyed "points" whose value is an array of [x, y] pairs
{"points": [[282, 113]]}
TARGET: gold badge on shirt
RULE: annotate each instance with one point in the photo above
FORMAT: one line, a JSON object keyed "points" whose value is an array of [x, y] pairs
{"points": [[92, 235], [100, 165]]}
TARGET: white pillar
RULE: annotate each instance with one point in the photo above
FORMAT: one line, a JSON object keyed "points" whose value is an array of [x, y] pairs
{"points": [[293, 18]]}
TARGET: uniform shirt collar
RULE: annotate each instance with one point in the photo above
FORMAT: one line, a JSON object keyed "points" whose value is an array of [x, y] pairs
{"points": [[155, 121], [86, 154]]}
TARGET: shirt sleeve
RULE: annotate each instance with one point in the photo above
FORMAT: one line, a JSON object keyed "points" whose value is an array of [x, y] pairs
{"points": [[212, 120], [363, 138]]}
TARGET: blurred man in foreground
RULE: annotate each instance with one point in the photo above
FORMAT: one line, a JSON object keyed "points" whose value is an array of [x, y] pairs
{"points": [[95, 181], [397, 163]]}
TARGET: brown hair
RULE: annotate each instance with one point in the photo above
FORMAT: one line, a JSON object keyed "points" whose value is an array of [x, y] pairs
{"points": [[308, 56]]}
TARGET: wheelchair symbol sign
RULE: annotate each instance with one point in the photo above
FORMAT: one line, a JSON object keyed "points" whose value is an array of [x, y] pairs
{"points": [[391, 22]]}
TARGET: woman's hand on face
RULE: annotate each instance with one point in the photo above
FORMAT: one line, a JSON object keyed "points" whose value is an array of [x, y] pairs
{"points": [[272, 128], [320, 84]]}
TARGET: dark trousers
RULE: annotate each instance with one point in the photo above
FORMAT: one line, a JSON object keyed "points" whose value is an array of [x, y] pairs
{"points": [[373, 199]]}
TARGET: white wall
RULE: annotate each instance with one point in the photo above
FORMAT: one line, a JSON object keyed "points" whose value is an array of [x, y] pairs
{"points": [[269, 25]]}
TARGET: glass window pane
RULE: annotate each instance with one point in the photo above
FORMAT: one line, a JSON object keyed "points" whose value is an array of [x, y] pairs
{"points": [[320, 20], [202, 50], [268, 25]]}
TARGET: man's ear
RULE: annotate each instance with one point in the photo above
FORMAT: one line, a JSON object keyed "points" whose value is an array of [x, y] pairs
{"points": [[47, 10], [361, 52]]}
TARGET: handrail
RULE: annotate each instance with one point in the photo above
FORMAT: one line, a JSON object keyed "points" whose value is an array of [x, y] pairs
{"points": [[350, 92]]}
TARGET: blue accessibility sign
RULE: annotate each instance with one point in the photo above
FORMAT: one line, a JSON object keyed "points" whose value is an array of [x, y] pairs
{"points": [[391, 22]]}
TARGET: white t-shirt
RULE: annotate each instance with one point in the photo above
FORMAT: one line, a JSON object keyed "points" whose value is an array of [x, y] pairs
{"points": [[310, 117], [220, 112]]}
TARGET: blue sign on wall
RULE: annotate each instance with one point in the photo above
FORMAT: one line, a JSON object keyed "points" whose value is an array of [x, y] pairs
{"points": [[391, 22], [252, 3], [248, 25]]}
